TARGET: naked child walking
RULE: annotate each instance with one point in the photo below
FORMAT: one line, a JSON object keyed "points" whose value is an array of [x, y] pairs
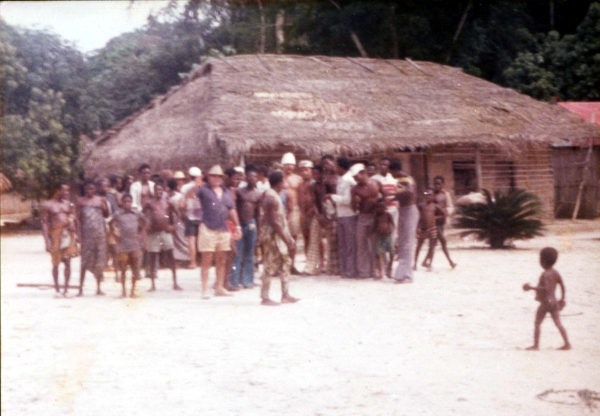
{"points": [[545, 295]]}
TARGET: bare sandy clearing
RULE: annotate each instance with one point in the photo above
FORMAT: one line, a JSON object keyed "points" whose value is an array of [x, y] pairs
{"points": [[451, 343]]}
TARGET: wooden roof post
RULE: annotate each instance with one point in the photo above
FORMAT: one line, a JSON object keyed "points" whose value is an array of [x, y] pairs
{"points": [[478, 168]]}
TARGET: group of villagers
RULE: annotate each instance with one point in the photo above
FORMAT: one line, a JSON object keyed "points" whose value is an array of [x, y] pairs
{"points": [[351, 220]]}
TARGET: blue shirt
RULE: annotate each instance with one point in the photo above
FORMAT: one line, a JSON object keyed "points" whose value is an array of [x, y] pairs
{"points": [[214, 211]]}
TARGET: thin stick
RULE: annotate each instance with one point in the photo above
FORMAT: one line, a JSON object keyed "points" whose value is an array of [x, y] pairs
{"points": [[44, 286], [588, 159], [227, 63], [398, 68], [417, 66], [321, 62], [358, 63], [264, 63]]}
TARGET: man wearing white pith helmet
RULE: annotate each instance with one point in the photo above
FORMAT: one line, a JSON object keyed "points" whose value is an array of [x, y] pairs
{"points": [[190, 205], [291, 184]]}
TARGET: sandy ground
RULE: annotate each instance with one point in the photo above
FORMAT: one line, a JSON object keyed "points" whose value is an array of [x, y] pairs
{"points": [[451, 343]]}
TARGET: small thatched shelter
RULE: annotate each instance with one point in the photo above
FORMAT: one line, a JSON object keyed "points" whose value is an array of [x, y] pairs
{"points": [[436, 118], [577, 161]]}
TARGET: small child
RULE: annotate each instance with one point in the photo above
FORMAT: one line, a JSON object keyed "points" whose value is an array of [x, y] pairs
{"points": [[545, 295], [383, 227], [427, 228], [127, 225]]}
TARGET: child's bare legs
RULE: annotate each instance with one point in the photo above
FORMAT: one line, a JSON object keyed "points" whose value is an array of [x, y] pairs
{"points": [[379, 266], [388, 268], [429, 258], [563, 332], [420, 242], [444, 245], [539, 318]]}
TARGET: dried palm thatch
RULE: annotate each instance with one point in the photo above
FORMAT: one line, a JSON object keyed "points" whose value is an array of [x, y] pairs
{"points": [[246, 103], [5, 184]]}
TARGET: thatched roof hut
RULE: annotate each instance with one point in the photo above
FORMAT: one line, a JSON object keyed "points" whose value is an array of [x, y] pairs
{"points": [[248, 104]]}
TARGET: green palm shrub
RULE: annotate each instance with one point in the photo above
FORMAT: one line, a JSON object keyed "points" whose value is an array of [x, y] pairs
{"points": [[514, 215]]}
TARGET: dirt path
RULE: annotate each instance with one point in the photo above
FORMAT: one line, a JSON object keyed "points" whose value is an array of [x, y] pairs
{"points": [[451, 343]]}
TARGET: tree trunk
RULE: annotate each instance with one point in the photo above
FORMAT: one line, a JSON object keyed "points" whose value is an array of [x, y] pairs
{"points": [[463, 19], [551, 14], [263, 28], [353, 35], [279, 34], [395, 42]]}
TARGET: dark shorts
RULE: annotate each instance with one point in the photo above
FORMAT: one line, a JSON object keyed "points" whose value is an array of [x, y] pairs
{"points": [[191, 228], [384, 244]]}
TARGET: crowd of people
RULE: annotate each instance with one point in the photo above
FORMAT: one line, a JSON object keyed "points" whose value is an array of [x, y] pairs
{"points": [[352, 220]]}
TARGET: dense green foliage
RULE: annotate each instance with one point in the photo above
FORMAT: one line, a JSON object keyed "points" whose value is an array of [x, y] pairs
{"points": [[52, 93], [42, 89], [511, 216], [567, 67]]}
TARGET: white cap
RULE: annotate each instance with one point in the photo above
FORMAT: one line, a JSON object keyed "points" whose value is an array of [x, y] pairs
{"points": [[239, 169], [195, 172], [288, 159], [356, 169], [306, 164]]}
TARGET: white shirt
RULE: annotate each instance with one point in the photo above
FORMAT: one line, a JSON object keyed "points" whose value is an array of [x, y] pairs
{"points": [[136, 193], [390, 186], [343, 196]]}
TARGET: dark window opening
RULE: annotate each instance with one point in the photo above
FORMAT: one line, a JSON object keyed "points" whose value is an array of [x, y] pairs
{"points": [[465, 177]]}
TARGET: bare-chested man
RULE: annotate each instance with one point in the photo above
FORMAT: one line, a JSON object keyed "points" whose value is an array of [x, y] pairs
{"points": [[408, 219], [442, 198], [291, 184], [315, 253], [233, 178], [248, 207], [91, 211], [330, 182], [161, 215], [58, 228], [190, 205], [277, 242], [365, 194], [306, 200]]}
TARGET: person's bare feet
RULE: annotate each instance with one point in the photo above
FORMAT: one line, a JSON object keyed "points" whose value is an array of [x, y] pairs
{"points": [[269, 302], [205, 295], [532, 348], [177, 287], [132, 295], [222, 293], [565, 347], [453, 265], [152, 289], [289, 299], [80, 294], [100, 293]]}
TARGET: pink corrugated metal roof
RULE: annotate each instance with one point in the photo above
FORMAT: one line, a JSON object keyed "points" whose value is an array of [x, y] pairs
{"points": [[589, 111]]}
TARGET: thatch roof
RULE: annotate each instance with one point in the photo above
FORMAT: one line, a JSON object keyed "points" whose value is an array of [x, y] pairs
{"points": [[249, 103]]}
